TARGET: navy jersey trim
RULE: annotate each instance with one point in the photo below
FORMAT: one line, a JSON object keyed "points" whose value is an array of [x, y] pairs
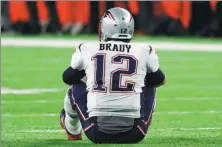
{"points": [[80, 47]]}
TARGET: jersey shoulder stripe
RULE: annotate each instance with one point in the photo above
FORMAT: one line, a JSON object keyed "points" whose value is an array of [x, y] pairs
{"points": [[79, 47], [150, 49]]}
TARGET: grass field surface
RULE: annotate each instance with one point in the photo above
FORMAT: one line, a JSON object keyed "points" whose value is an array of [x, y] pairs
{"points": [[188, 112]]}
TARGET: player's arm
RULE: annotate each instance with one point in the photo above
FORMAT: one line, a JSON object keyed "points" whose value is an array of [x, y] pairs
{"points": [[72, 76], [155, 76], [75, 72], [155, 79]]}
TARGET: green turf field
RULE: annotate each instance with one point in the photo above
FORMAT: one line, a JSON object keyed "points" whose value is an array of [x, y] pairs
{"points": [[188, 112]]}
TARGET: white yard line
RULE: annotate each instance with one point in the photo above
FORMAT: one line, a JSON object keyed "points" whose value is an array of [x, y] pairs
{"points": [[41, 131], [189, 112], [6, 90], [194, 76], [209, 112], [192, 86], [67, 43], [31, 115], [42, 101], [32, 101], [151, 129], [188, 99], [198, 129]]}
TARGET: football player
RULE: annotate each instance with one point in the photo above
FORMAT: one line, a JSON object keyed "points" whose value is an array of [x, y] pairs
{"points": [[114, 104]]}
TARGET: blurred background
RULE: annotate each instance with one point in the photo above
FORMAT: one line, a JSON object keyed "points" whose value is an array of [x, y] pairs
{"points": [[174, 18]]}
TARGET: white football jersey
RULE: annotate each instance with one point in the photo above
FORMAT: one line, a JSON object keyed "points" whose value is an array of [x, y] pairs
{"points": [[116, 72]]}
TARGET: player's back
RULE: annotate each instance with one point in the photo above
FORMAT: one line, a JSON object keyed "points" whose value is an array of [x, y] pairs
{"points": [[115, 72]]}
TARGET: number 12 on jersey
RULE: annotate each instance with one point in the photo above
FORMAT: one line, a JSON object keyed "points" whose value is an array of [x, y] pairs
{"points": [[116, 75]]}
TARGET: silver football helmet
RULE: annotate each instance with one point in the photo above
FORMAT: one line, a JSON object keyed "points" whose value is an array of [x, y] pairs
{"points": [[116, 23]]}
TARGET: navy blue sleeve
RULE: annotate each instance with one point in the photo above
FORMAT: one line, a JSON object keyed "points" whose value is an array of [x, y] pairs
{"points": [[155, 79], [72, 76]]}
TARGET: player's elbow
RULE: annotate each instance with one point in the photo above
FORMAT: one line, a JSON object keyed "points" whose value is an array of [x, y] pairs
{"points": [[72, 76], [164, 81], [66, 80], [66, 77], [161, 83], [155, 79]]}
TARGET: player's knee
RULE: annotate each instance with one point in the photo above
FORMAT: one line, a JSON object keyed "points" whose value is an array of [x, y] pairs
{"points": [[72, 115]]}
